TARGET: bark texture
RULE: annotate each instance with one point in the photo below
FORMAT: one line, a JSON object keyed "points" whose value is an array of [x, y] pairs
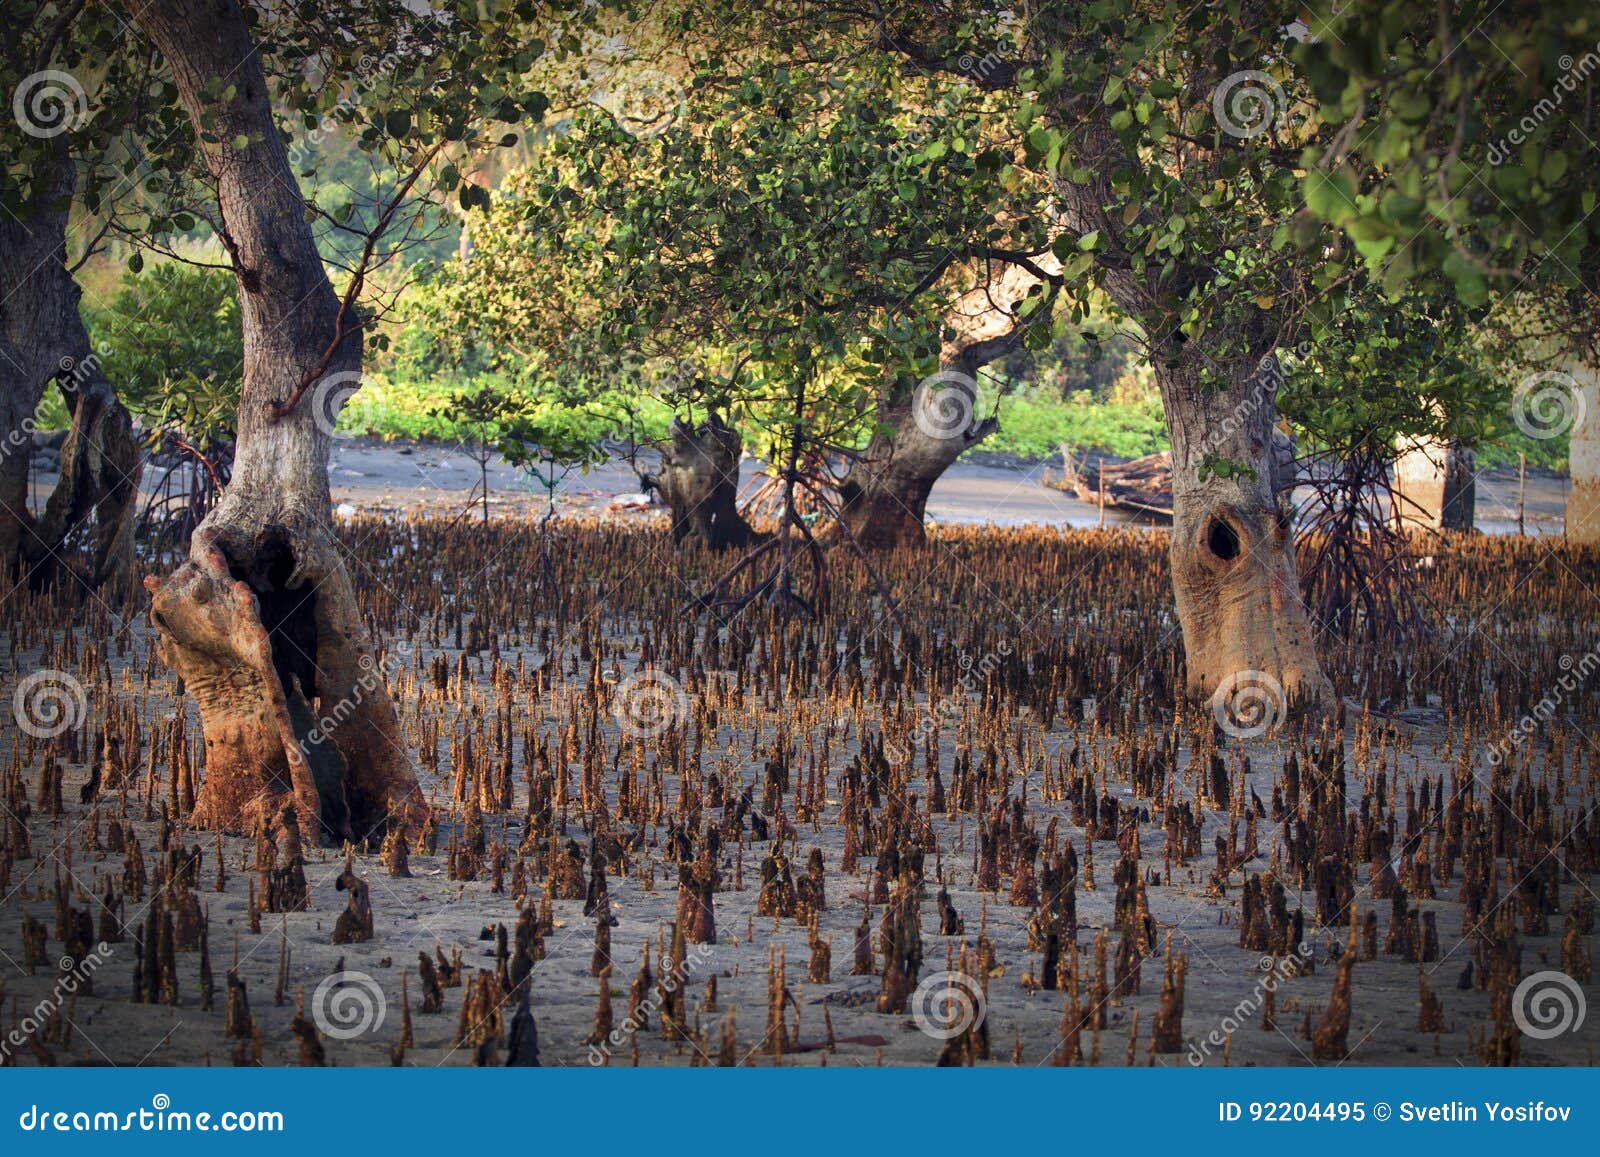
{"points": [[699, 479], [883, 500], [261, 621], [1233, 567], [101, 465], [1583, 503], [33, 285], [1435, 485], [884, 497], [43, 339]]}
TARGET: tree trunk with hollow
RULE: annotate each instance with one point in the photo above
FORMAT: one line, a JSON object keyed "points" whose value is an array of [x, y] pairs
{"points": [[261, 622], [884, 497], [699, 480], [1232, 552]]}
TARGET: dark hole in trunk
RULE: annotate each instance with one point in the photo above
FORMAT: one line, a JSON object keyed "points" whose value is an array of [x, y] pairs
{"points": [[289, 615], [1223, 540]]}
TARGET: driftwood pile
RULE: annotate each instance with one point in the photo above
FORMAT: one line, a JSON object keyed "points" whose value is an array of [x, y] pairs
{"points": [[1143, 486]]}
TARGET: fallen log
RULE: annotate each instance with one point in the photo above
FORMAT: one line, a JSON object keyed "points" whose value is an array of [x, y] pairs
{"points": [[1142, 486]]}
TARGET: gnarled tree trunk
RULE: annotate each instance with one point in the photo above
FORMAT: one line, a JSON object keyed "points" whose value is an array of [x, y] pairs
{"points": [[101, 464], [33, 280], [884, 497], [699, 479], [1233, 568], [261, 622], [16, 453], [42, 338]]}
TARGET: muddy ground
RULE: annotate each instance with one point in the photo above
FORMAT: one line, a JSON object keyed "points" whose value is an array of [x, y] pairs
{"points": [[1086, 615], [415, 478]]}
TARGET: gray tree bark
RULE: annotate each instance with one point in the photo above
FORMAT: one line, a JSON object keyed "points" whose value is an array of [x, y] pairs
{"points": [[884, 496], [33, 279], [43, 339]]}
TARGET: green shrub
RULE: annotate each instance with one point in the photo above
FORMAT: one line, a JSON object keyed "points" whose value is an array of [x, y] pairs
{"points": [[171, 341]]}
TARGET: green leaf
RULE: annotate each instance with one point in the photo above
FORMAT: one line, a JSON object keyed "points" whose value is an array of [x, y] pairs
{"points": [[1331, 196]]}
